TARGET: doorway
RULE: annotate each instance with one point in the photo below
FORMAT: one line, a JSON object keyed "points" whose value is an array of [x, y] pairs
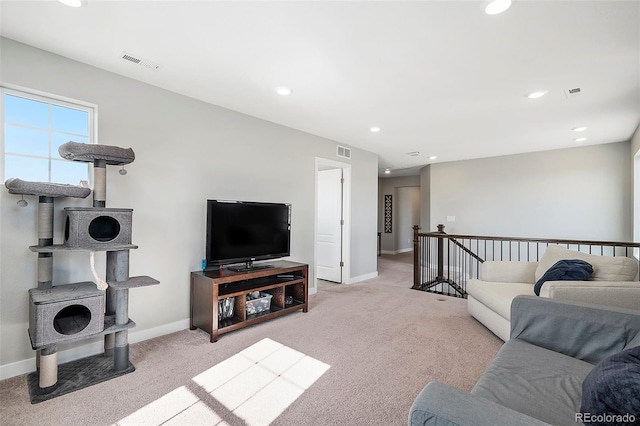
{"points": [[332, 227], [407, 215]]}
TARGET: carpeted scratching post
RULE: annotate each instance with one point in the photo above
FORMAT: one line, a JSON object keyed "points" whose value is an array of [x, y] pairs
{"points": [[73, 312]]}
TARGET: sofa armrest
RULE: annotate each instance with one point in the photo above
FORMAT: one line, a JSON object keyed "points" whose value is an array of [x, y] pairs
{"points": [[509, 272], [620, 294], [580, 330], [441, 405]]}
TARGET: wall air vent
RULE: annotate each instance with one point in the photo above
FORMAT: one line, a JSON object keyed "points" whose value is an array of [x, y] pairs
{"points": [[570, 93], [139, 61], [343, 152]]}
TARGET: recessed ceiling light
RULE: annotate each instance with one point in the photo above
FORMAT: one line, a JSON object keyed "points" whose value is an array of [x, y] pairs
{"points": [[74, 3], [283, 91], [580, 129], [387, 171], [433, 157], [580, 139], [537, 94], [375, 129], [494, 7]]}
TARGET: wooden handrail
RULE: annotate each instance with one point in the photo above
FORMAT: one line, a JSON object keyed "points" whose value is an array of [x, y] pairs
{"points": [[454, 241], [530, 240]]}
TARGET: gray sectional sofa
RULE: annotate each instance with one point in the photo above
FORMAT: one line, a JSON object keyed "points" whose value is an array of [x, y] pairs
{"points": [[537, 376]]}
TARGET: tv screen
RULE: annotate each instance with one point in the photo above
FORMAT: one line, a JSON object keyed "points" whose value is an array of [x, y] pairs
{"points": [[245, 231]]}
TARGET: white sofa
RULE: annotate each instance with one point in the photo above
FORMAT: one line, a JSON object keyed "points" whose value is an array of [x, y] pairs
{"points": [[613, 283]]}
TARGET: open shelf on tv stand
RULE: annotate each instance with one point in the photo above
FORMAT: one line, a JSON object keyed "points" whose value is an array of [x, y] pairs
{"points": [[285, 281]]}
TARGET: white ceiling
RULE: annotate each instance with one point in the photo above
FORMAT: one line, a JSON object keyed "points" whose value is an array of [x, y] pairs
{"points": [[438, 77]]}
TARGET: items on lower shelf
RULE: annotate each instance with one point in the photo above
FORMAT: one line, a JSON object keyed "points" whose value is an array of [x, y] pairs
{"points": [[225, 308], [258, 302]]}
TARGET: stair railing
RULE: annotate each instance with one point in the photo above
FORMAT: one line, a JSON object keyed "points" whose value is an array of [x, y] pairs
{"points": [[443, 263]]}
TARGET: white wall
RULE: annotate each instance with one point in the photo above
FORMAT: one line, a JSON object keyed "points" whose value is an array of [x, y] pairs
{"points": [[580, 193], [186, 152]]}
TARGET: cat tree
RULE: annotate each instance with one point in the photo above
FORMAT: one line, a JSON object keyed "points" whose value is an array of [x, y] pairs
{"points": [[73, 312]]}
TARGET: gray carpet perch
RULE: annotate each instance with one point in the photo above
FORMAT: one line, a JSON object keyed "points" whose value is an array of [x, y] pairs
{"points": [[78, 311], [45, 189], [101, 156], [88, 153]]}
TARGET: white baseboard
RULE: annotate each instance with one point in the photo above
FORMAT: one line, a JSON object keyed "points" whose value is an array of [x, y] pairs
{"points": [[29, 365], [161, 330], [362, 278], [396, 251]]}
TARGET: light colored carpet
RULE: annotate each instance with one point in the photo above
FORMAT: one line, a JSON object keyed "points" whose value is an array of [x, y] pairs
{"points": [[379, 342]]}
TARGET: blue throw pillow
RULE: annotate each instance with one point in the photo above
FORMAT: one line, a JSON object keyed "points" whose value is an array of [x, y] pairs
{"points": [[611, 391], [565, 270]]}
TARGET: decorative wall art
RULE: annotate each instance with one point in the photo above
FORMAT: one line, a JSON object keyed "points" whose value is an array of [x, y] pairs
{"points": [[388, 210]]}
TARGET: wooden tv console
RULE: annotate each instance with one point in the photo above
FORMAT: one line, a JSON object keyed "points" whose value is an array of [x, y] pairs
{"points": [[286, 281]]}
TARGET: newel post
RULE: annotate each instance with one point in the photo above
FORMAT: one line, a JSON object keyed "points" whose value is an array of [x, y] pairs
{"points": [[440, 276], [416, 257]]}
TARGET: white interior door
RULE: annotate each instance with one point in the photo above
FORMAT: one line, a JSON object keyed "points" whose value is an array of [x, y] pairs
{"points": [[329, 230]]}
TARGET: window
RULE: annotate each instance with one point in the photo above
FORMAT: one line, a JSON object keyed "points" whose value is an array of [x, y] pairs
{"points": [[34, 128]]}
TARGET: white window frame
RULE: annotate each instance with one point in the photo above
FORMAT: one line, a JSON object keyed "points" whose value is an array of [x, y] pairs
{"points": [[50, 99]]}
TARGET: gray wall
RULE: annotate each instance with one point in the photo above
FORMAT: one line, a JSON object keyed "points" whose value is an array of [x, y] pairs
{"points": [[186, 152], [581, 193], [388, 186]]}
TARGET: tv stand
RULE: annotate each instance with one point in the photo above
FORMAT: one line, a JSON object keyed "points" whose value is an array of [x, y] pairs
{"points": [[250, 266], [286, 282]]}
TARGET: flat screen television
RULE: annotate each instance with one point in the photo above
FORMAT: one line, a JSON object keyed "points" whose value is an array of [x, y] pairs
{"points": [[246, 231]]}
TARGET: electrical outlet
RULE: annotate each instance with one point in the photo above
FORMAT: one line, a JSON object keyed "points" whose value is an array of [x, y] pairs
{"points": [[451, 218]]}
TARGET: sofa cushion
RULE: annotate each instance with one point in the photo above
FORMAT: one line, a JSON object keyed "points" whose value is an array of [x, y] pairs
{"points": [[509, 271], [605, 268], [613, 386], [620, 294], [535, 381], [497, 296], [565, 270]]}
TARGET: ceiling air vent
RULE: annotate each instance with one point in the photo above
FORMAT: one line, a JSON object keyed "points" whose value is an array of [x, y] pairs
{"points": [[344, 152], [139, 61], [570, 93]]}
